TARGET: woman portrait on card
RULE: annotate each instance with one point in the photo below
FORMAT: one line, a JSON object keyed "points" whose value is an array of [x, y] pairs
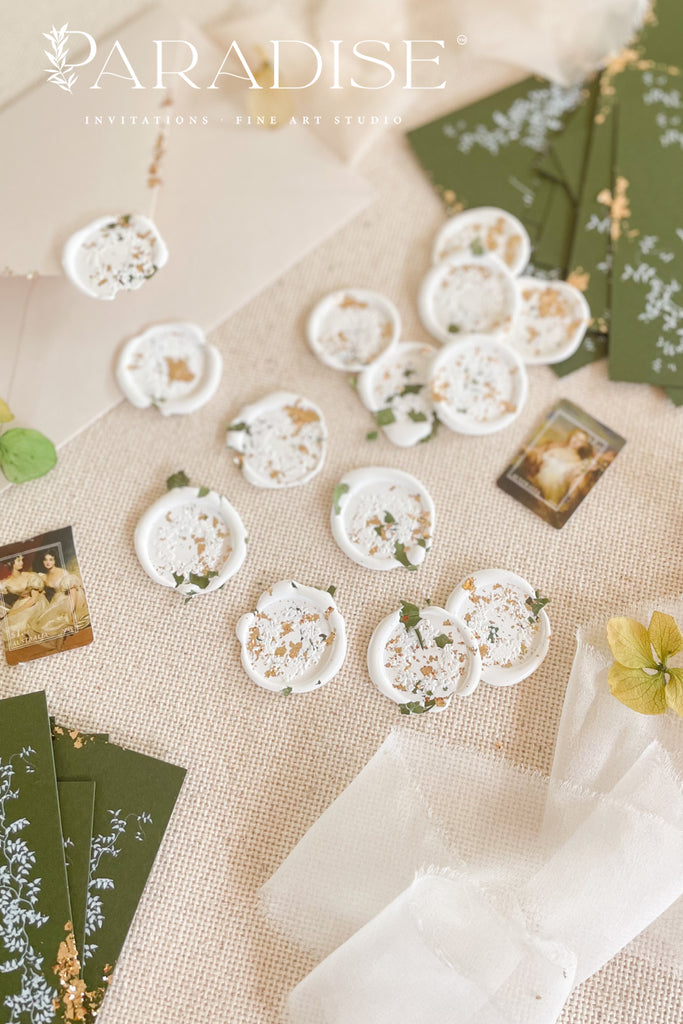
{"points": [[67, 609], [23, 602]]}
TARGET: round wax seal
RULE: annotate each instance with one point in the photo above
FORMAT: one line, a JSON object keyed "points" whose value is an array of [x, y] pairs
{"points": [[423, 657], [506, 618], [395, 388], [484, 229], [192, 539], [478, 385], [114, 254], [469, 294], [551, 323], [295, 640], [347, 330], [170, 366], [280, 441], [382, 518]]}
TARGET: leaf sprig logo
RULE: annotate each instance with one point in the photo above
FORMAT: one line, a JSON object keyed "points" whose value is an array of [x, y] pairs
{"points": [[61, 73]]}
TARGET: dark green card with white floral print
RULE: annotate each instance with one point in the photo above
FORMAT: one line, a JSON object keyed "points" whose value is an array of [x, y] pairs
{"points": [[646, 338], [134, 799], [76, 805], [37, 952]]}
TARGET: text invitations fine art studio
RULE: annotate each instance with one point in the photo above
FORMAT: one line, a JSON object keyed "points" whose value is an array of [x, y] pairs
{"points": [[341, 582]]}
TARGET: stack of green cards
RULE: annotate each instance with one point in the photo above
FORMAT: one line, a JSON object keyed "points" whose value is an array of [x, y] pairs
{"points": [[81, 821], [593, 173]]}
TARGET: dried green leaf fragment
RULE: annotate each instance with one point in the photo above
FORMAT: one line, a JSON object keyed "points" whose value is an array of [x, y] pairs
{"points": [[179, 479], [401, 556], [383, 417], [26, 454], [372, 435], [536, 604], [338, 493], [442, 640]]}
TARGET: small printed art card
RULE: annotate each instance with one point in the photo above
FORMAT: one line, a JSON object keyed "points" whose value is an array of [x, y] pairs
{"points": [[43, 607], [561, 463]]}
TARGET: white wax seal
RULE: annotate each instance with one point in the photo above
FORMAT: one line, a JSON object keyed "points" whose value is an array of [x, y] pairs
{"points": [[506, 617], [295, 640], [192, 539], [552, 320], [484, 229], [170, 366], [349, 329], [280, 441], [114, 254], [382, 518], [478, 385], [396, 389], [420, 658], [468, 295]]}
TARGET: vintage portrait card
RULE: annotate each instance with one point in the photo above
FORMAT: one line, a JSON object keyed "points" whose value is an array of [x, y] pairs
{"points": [[134, 799], [39, 970], [43, 607], [564, 459]]}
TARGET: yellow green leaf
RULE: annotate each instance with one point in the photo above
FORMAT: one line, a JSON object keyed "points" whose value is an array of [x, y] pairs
{"points": [[638, 690], [674, 690], [6, 413], [665, 636], [630, 643]]}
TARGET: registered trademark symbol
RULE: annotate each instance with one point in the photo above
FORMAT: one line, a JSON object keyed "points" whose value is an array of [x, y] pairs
{"points": [[462, 39]]}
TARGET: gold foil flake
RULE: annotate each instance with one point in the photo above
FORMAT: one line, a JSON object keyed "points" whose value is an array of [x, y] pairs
{"points": [[349, 302], [178, 369], [579, 279], [70, 1003], [300, 417]]}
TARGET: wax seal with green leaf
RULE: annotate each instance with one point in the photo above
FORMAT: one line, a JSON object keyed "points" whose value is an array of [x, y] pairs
{"points": [[25, 454], [641, 677]]}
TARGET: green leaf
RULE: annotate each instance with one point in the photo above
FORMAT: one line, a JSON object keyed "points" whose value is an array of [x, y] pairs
{"points": [[637, 689], [536, 604], [238, 426], [414, 707], [409, 614], [202, 581], [339, 491], [286, 692], [179, 580], [435, 427], [416, 416], [665, 636], [401, 556], [388, 518], [6, 413], [630, 643], [477, 247], [442, 639], [332, 590], [412, 389], [202, 492], [674, 690], [26, 454], [453, 329], [372, 435], [179, 479], [384, 417]]}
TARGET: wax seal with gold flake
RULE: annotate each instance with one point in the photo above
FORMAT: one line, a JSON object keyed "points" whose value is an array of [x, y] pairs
{"points": [[279, 441], [396, 389], [478, 385], [349, 329], [421, 657], [295, 640], [192, 539], [114, 254], [382, 518], [507, 619], [170, 366], [468, 294], [552, 320], [484, 229]]}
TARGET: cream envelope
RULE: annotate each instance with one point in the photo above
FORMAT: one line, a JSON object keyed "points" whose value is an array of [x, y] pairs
{"points": [[237, 207]]}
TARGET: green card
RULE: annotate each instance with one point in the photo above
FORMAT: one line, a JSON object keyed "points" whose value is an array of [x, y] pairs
{"points": [[660, 37], [134, 798], [76, 804], [646, 340], [486, 154], [37, 950]]}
